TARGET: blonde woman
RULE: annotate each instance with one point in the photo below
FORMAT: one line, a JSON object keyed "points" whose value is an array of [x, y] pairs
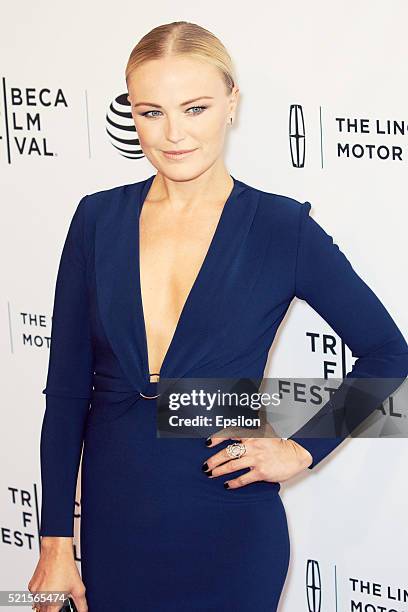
{"points": [[187, 273]]}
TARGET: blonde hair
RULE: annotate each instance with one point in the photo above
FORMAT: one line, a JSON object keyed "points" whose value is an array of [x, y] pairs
{"points": [[182, 38]]}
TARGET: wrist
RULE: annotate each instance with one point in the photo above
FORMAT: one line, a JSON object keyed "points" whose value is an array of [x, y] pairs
{"points": [[305, 457], [57, 543]]}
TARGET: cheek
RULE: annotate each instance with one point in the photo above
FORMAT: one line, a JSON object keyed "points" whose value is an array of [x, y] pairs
{"points": [[146, 132], [215, 126], [214, 134]]}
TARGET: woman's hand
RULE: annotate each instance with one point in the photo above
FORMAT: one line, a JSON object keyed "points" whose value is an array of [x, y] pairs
{"points": [[270, 459], [57, 571]]}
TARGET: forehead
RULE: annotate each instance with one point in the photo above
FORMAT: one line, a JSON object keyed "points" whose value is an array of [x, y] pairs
{"points": [[175, 79]]}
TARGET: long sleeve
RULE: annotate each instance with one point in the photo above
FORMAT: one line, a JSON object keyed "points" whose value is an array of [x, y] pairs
{"points": [[68, 387], [326, 280]]}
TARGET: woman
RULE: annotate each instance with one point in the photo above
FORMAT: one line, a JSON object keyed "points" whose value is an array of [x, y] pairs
{"points": [[185, 274]]}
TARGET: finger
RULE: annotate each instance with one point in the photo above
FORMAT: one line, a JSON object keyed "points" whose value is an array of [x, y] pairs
{"points": [[223, 456], [232, 466], [228, 433], [50, 607], [219, 436], [53, 607], [214, 440], [80, 603], [46, 607], [243, 480]]}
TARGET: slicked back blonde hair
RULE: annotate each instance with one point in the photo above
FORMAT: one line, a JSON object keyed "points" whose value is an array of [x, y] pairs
{"points": [[182, 38]]}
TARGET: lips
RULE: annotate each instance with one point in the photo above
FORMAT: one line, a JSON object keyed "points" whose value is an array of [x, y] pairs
{"points": [[178, 154]]}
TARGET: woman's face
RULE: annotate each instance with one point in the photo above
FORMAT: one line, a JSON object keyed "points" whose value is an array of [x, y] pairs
{"points": [[179, 104]]}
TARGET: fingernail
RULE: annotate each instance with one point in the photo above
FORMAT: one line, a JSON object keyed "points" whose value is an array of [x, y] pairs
{"points": [[209, 473], [205, 467], [208, 442], [226, 485]]}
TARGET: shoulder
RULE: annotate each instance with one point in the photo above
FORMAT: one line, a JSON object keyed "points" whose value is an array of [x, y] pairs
{"points": [[104, 210], [99, 201], [278, 205]]}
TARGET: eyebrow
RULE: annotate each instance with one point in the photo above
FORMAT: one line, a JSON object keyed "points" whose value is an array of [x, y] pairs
{"points": [[182, 104]]}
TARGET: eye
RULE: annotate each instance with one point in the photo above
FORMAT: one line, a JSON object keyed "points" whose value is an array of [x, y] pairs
{"points": [[146, 114], [201, 109]]}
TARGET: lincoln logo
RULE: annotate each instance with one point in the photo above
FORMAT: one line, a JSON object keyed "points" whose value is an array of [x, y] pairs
{"points": [[121, 128], [297, 135], [313, 586]]}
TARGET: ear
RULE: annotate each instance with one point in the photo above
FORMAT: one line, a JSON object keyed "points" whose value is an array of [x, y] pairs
{"points": [[234, 100]]}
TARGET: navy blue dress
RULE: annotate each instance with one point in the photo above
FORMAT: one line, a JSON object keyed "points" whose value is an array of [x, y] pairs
{"points": [[157, 535]]}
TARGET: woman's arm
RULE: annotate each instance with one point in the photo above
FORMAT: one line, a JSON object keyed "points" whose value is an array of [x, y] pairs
{"points": [[69, 385], [326, 280]]}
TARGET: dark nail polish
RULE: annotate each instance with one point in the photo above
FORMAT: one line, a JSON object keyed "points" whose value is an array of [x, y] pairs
{"points": [[209, 473], [205, 467], [208, 442], [226, 485]]}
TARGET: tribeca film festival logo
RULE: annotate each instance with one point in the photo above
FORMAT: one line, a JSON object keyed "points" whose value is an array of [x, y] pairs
{"points": [[24, 114], [336, 360], [357, 137], [25, 529], [331, 350], [121, 129]]}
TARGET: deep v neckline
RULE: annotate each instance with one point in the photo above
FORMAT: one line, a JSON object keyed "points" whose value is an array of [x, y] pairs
{"points": [[211, 252]]}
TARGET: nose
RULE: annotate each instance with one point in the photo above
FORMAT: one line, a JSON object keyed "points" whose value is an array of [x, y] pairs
{"points": [[174, 130]]}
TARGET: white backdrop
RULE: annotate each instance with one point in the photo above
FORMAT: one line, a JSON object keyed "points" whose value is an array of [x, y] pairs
{"points": [[344, 65]]}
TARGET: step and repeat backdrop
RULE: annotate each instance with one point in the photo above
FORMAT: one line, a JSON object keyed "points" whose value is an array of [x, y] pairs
{"points": [[322, 117]]}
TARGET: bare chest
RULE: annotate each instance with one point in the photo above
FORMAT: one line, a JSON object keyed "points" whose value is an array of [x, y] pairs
{"points": [[172, 251]]}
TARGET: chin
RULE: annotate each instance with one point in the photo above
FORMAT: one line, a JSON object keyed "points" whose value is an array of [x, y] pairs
{"points": [[182, 172]]}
